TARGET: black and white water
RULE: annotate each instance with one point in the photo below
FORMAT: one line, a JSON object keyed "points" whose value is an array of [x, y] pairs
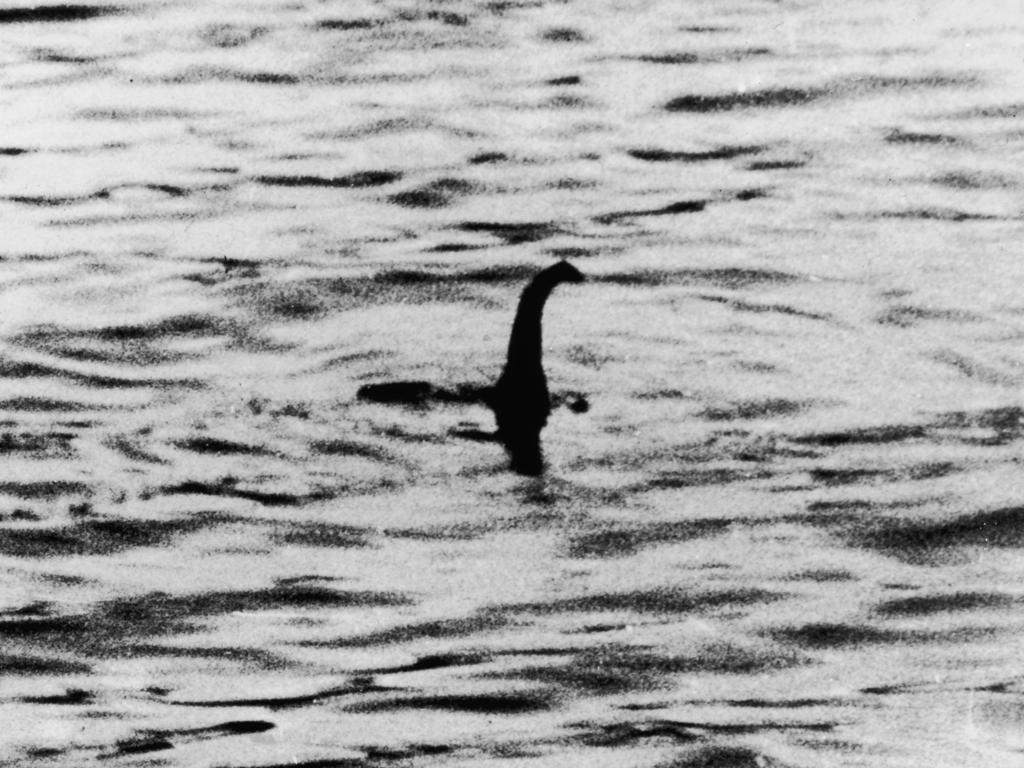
{"points": [[789, 529]]}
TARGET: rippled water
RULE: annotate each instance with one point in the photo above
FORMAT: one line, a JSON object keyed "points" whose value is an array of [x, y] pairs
{"points": [[787, 532]]}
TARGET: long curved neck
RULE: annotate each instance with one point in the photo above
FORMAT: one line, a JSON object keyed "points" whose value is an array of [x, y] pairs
{"points": [[524, 346]]}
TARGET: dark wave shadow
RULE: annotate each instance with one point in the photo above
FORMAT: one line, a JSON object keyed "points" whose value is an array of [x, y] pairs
{"points": [[499, 704], [139, 344], [357, 180], [760, 308], [132, 449], [781, 703], [207, 73], [219, 447], [664, 394], [45, 14], [707, 29], [823, 635], [409, 752], [439, 193], [354, 23], [927, 605], [231, 35], [841, 505], [953, 215], [20, 370], [454, 532], [991, 112], [327, 535], [932, 542], [672, 209], [482, 621], [971, 179], [624, 541], [823, 575], [343, 447], [121, 628], [303, 299], [670, 601], [615, 669], [358, 687], [72, 697], [788, 96], [228, 487], [563, 35], [775, 165], [48, 490], [581, 252], [694, 478], [899, 136], [890, 433], [724, 277], [487, 158], [48, 405], [253, 658], [433, 661], [100, 537], [29, 665], [854, 475], [906, 316], [106, 193], [724, 152], [313, 297], [161, 740], [712, 57], [973, 369], [1006, 424], [768, 408], [39, 445], [689, 732], [759, 99], [751, 193], [513, 233]]}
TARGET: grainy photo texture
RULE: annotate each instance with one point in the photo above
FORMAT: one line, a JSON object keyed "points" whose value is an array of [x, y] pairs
{"points": [[527, 384]]}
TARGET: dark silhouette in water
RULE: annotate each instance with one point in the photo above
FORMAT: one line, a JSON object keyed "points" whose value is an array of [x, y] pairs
{"points": [[520, 398]]}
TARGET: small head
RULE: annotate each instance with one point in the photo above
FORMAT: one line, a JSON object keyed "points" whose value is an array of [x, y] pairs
{"points": [[564, 272]]}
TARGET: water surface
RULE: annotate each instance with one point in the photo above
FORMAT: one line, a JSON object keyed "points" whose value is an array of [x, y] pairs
{"points": [[787, 531]]}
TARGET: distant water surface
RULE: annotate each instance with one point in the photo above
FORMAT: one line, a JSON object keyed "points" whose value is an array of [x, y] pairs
{"points": [[788, 530]]}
